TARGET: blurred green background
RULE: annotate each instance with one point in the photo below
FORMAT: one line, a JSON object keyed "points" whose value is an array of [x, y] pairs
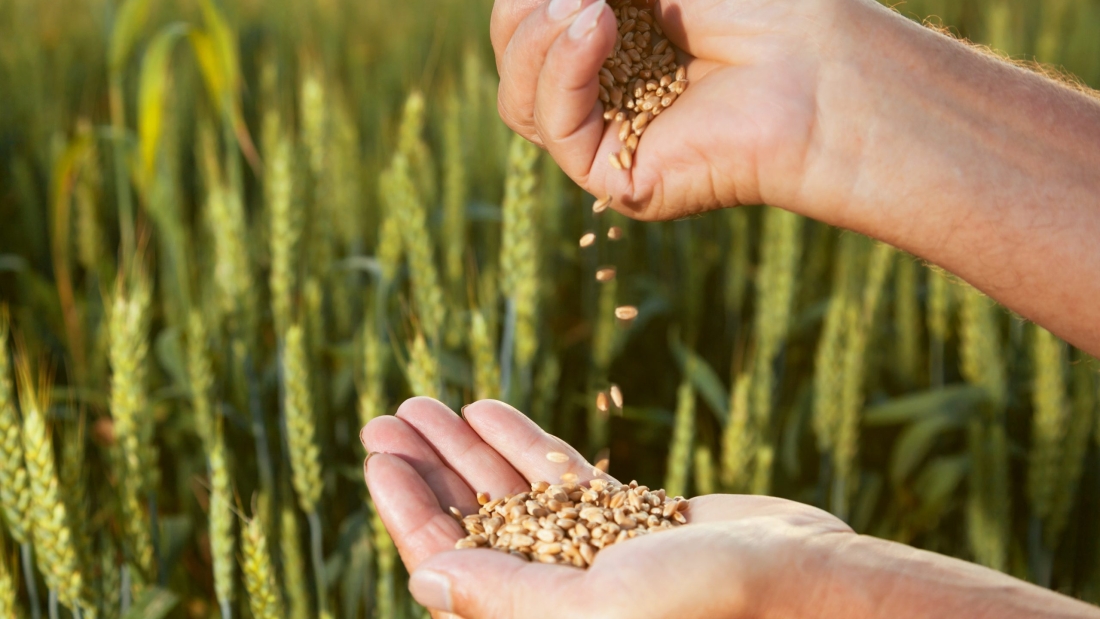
{"points": [[233, 232]]}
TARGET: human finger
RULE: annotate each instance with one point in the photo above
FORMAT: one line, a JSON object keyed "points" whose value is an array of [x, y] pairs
{"points": [[523, 57], [409, 509], [537, 456], [489, 584], [568, 112], [460, 448], [391, 435]]}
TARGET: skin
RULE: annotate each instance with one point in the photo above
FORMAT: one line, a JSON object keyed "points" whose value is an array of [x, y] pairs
{"points": [[840, 110], [740, 557], [843, 111]]}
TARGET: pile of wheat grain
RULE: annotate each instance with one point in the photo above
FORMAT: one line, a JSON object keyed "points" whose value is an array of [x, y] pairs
{"points": [[640, 79], [568, 523]]}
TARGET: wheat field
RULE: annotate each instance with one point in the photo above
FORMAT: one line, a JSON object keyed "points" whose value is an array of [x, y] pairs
{"points": [[231, 233]]}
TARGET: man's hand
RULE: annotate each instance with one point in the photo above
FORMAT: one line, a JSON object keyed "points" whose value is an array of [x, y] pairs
{"points": [[742, 133], [738, 555], [843, 111]]}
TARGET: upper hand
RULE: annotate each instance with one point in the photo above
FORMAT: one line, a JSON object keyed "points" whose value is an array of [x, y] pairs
{"points": [[739, 553], [744, 131]]}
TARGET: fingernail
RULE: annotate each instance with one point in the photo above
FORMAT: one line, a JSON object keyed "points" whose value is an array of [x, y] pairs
{"points": [[431, 589], [587, 20], [560, 9], [363, 437]]}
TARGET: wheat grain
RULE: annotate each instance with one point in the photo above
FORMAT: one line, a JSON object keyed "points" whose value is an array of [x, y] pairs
{"points": [[738, 444], [386, 553], [405, 204], [568, 524], [482, 352], [305, 462], [519, 248], [626, 313], [53, 539], [222, 542], [226, 218], [605, 274], [259, 577], [678, 469], [8, 609], [704, 471], [284, 224], [132, 424], [14, 492], [293, 566], [422, 369], [601, 205], [454, 193], [372, 402], [1050, 421], [588, 239], [200, 375]]}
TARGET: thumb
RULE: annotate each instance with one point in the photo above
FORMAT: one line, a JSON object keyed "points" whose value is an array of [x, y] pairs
{"points": [[488, 584]]}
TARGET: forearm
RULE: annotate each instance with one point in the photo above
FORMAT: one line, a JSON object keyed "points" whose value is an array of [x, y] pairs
{"points": [[868, 578], [983, 168]]}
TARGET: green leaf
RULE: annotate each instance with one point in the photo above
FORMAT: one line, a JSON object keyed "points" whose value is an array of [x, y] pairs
{"points": [[129, 21], [915, 443], [153, 603], [938, 481], [703, 378], [357, 578], [169, 351], [954, 400], [152, 88]]}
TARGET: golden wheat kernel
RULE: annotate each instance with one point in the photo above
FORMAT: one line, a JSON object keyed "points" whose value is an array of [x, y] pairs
{"points": [[660, 47], [640, 121], [454, 512], [558, 457], [605, 275], [614, 233], [617, 396], [522, 541], [624, 130], [614, 159], [616, 96], [482, 498], [626, 312], [588, 239], [626, 158], [601, 205], [601, 402]]}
